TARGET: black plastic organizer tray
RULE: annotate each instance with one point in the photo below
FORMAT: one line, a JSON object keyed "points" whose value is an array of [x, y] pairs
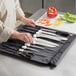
{"points": [[49, 51]]}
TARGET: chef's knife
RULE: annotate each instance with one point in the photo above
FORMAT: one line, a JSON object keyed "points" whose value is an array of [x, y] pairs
{"points": [[52, 34], [45, 42], [46, 36]]}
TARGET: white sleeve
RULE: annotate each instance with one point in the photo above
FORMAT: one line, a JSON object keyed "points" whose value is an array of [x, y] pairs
{"points": [[5, 32], [19, 11]]}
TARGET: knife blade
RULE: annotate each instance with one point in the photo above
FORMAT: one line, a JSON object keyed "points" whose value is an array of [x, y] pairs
{"points": [[43, 42], [39, 46], [29, 48], [46, 36], [52, 34], [48, 30]]}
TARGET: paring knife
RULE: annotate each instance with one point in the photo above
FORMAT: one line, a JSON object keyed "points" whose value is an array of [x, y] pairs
{"points": [[29, 48], [34, 51], [25, 53]]}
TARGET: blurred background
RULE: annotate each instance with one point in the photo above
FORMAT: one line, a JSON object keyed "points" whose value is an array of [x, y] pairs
{"points": [[31, 6]]}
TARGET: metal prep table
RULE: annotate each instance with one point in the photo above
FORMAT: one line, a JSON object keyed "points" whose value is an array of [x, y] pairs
{"points": [[10, 66]]}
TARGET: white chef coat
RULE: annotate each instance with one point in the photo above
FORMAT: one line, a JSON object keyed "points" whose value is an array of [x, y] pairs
{"points": [[10, 11]]}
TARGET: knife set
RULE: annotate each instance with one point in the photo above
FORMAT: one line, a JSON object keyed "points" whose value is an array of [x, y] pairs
{"points": [[49, 45]]}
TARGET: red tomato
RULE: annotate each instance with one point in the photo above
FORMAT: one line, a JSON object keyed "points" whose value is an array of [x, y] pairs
{"points": [[51, 12]]}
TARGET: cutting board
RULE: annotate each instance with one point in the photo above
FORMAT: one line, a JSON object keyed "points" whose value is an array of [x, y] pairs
{"points": [[64, 26]]}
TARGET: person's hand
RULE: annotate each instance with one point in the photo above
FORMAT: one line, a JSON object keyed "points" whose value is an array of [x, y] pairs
{"points": [[26, 37], [28, 22]]}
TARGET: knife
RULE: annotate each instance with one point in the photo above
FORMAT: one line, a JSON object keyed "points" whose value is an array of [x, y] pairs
{"points": [[36, 47], [33, 29], [48, 30], [25, 53], [29, 48], [52, 34], [29, 45], [35, 51], [26, 30], [63, 34], [43, 42], [40, 47], [46, 36], [10, 47]]}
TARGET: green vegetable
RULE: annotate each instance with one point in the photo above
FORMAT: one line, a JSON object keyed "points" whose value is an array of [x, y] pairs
{"points": [[68, 17]]}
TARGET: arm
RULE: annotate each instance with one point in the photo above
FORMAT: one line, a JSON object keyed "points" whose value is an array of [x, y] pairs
{"points": [[5, 32], [26, 37], [21, 16], [19, 11]]}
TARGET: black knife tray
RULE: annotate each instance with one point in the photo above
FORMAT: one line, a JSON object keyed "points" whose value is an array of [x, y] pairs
{"points": [[50, 55]]}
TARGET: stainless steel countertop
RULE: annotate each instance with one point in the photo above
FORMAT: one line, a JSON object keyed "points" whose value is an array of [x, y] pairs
{"points": [[10, 66]]}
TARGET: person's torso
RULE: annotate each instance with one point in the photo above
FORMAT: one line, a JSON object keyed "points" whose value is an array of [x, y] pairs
{"points": [[11, 13]]}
